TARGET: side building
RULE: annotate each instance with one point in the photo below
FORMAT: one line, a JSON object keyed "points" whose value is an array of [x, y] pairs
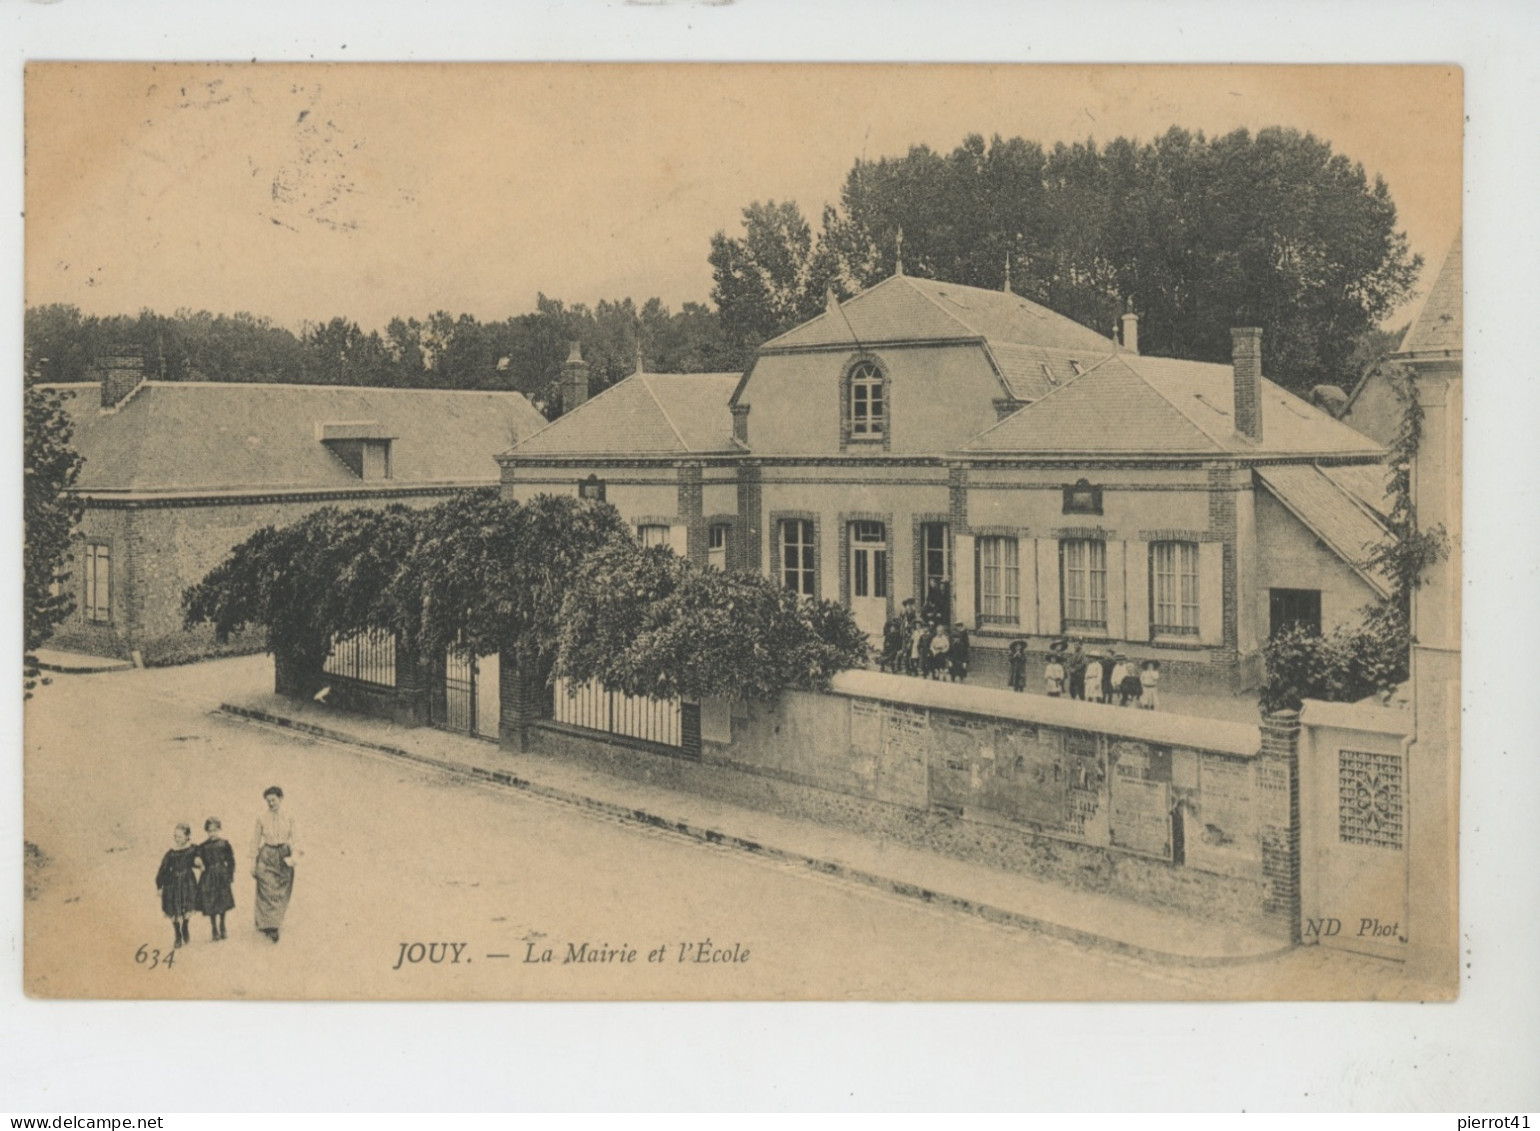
{"points": [[1004, 466], [178, 473]]}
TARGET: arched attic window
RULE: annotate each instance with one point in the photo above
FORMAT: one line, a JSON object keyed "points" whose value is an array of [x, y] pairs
{"points": [[865, 406]]}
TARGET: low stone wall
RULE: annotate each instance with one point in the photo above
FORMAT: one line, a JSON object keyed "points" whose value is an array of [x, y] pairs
{"points": [[1191, 814]]}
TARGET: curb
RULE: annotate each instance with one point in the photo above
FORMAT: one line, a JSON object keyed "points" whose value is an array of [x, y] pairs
{"points": [[710, 836], [67, 668]]}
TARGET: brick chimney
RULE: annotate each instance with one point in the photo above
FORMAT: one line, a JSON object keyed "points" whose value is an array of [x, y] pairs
{"points": [[1131, 332], [1246, 357], [122, 372], [574, 378]]}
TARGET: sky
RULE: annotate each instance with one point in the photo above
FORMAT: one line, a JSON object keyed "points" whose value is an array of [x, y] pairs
{"points": [[304, 191]]}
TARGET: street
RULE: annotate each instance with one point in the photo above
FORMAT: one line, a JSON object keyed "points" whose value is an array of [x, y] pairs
{"points": [[416, 883]]}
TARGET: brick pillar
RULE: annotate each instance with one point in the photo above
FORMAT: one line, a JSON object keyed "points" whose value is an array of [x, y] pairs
{"points": [[750, 518], [1278, 808], [524, 699], [689, 728], [410, 703], [689, 508]]}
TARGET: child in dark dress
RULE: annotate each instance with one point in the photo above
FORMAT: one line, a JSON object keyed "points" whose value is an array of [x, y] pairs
{"points": [[1016, 658], [214, 892], [177, 884]]}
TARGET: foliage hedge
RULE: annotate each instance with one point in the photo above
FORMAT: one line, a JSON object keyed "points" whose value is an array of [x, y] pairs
{"points": [[559, 584]]}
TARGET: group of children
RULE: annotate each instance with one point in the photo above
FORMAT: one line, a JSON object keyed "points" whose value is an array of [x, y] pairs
{"points": [[197, 878], [1108, 678], [924, 646]]}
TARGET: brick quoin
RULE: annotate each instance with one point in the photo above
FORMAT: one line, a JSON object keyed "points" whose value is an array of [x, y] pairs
{"points": [[751, 515], [690, 509], [1222, 521]]}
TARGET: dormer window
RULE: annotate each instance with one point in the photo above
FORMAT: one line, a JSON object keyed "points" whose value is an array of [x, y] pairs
{"points": [[865, 417], [362, 446], [868, 409]]}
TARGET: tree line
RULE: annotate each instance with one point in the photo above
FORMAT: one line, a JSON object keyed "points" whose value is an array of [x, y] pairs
{"points": [[1195, 234], [523, 353]]}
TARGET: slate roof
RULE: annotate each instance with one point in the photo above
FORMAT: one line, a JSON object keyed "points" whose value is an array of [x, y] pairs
{"points": [[1440, 325], [1031, 372], [1369, 483], [645, 413], [171, 436], [1130, 403], [1331, 513], [903, 308]]}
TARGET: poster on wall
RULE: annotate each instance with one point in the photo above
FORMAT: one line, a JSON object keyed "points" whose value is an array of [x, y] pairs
{"points": [[371, 407]]}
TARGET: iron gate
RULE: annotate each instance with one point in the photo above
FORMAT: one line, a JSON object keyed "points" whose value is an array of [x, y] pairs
{"points": [[468, 700]]}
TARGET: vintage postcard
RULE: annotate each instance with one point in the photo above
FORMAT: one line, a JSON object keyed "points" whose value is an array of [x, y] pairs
{"points": [[742, 532]]}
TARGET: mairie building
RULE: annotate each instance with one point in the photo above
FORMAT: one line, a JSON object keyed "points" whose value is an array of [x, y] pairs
{"points": [[1001, 464]]}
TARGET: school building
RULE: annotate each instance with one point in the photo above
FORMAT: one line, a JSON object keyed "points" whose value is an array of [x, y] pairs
{"points": [[1021, 472]]}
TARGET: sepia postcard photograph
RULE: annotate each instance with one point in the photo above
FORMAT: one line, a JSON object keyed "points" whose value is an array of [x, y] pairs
{"points": [[742, 532]]}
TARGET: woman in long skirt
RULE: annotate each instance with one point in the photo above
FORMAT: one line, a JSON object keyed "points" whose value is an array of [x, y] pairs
{"points": [[177, 884], [214, 894], [273, 848]]}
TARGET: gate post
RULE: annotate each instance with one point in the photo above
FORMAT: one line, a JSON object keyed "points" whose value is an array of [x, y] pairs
{"points": [[412, 688], [522, 702], [1278, 798]]}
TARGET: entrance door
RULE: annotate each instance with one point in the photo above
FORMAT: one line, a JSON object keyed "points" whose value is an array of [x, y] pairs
{"points": [[869, 576], [1290, 607], [935, 571]]}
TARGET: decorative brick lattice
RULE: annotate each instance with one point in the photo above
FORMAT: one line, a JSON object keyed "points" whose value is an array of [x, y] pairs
{"points": [[1369, 799]]}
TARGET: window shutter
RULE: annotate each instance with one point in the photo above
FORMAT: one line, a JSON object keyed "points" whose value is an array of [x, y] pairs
{"points": [[1117, 588], [1211, 593], [1138, 591], [964, 561], [1049, 616], [679, 539]]}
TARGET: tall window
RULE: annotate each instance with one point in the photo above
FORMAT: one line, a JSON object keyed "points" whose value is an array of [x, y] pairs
{"points": [[797, 556], [869, 559], [98, 578], [652, 534], [999, 580], [1174, 587], [716, 546], [1084, 563], [868, 409]]}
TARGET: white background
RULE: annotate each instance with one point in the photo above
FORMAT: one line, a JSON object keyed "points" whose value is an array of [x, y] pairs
{"points": [[1480, 1054]]}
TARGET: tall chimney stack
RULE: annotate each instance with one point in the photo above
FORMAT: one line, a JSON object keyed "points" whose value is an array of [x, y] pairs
{"points": [[574, 378], [1131, 332], [122, 372], [1246, 357]]}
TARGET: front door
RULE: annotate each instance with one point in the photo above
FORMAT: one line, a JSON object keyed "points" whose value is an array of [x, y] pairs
{"points": [[1291, 607], [869, 576], [935, 571]]}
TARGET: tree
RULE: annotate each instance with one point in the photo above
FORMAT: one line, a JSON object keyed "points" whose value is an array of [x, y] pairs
{"points": [[650, 623], [50, 513], [769, 279], [309, 583], [489, 574]]}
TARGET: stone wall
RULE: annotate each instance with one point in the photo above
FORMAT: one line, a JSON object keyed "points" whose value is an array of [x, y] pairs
{"points": [[1191, 814]]}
